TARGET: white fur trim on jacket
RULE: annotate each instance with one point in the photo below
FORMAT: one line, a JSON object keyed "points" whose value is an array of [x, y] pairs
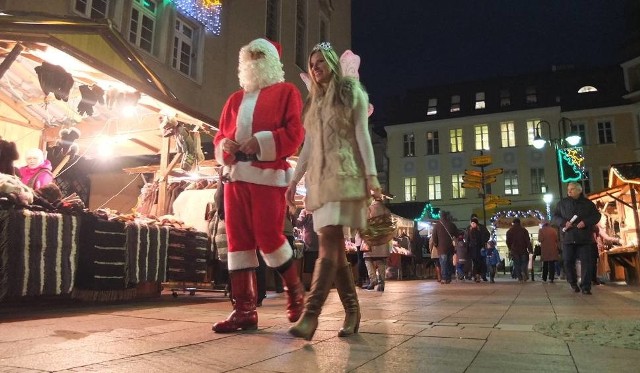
{"points": [[245, 171], [267, 145]]}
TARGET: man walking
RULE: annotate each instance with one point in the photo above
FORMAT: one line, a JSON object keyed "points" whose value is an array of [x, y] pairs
{"points": [[577, 216]]}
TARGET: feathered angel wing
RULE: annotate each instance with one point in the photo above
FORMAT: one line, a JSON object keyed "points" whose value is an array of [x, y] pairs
{"points": [[350, 63], [306, 79]]}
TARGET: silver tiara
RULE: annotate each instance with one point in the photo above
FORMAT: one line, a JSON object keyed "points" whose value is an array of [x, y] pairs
{"points": [[325, 46]]}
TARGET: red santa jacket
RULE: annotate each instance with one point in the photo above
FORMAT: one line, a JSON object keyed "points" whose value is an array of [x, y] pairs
{"points": [[273, 116]]}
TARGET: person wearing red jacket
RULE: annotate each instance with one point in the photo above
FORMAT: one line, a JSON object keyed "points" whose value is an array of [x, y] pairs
{"points": [[260, 126]]}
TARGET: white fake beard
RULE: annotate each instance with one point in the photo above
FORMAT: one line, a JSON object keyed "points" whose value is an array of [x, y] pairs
{"points": [[257, 74]]}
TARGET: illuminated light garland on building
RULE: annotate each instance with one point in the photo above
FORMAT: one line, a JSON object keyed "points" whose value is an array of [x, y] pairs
{"points": [[429, 212], [511, 214], [208, 12]]}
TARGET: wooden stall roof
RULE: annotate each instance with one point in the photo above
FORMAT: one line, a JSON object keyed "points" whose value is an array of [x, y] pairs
{"points": [[94, 54]]}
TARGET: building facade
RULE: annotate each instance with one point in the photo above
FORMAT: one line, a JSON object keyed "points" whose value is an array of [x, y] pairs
{"points": [[447, 131], [192, 45]]}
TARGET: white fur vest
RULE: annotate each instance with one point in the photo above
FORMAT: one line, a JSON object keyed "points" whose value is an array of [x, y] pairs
{"points": [[335, 171]]}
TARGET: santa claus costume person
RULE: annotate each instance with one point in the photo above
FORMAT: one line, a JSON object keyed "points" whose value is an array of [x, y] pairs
{"points": [[260, 126]]}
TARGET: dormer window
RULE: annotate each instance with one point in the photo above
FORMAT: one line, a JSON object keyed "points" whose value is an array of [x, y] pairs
{"points": [[479, 100], [455, 103], [432, 109], [587, 88]]}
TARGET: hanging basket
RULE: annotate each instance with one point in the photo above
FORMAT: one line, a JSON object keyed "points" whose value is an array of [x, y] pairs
{"points": [[380, 230]]}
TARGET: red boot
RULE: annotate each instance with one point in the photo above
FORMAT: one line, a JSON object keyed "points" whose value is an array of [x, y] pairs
{"points": [[244, 294], [295, 291]]}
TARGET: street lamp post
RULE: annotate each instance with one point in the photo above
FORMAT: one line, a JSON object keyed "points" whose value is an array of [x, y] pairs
{"points": [[557, 143]]}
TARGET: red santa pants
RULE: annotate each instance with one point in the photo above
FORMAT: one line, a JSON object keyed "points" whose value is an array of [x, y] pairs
{"points": [[254, 218]]}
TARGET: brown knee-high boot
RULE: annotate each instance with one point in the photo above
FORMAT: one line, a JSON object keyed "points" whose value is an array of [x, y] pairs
{"points": [[323, 276], [295, 290], [349, 298], [244, 295]]}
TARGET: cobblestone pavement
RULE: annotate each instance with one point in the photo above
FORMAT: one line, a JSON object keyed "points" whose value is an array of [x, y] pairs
{"points": [[413, 326], [612, 333]]}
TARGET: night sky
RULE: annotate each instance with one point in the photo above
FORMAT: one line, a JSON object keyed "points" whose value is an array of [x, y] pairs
{"points": [[415, 43]]}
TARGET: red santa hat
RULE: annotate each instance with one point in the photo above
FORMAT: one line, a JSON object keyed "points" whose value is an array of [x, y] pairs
{"points": [[268, 47]]}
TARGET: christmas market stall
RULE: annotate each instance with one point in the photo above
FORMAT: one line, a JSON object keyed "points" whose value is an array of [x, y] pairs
{"points": [[618, 230], [77, 90]]}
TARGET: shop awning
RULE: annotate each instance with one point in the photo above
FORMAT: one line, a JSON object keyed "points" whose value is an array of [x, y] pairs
{"points": [[94, 54]]}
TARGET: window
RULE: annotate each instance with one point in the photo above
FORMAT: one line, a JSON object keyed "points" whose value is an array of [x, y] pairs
{"points": [[433, 183], [409, 189], [480, 100], [511, 182], [537, 181], [531, 130], [605, 178], [580, 130], [605, 132], [94, 9], [456, 140], [505, 98], [183, 58], [456, 186], [301, 34], [587, 88], [409, 145], [433, 144], [531, 95], [482, 136], [432, 109], [586, 182], [272, 31], [143, 20], [508, 134], [455, 103]]}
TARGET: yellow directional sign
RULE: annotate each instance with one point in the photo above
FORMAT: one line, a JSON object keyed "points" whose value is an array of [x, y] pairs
{"points": [[471, 185], [490, 197], [472, 178], [481, 160], [502, 201], [493, 172], [473, 173], [490, 206], [489, 180]]}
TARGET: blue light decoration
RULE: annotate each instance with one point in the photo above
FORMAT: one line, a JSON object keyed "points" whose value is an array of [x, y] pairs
{"points": [[429, 212], [208, 12], [571, 164]]}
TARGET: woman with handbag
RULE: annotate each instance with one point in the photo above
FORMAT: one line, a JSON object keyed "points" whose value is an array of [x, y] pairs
{"points": [[375, 258], [337, 158]]}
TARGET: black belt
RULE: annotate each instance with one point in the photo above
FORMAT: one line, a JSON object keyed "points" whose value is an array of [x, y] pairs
{"points": [[244, 157]]}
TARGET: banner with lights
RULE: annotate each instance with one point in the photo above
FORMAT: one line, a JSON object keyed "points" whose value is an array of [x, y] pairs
{"points": [[571, 164], [208, 12]]}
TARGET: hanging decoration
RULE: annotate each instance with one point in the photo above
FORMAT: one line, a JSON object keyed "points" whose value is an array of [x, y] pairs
{"points": [[571, 164], [429, 212], [208, 12]]}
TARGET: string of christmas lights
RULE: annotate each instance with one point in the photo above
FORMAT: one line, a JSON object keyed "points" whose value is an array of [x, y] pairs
{"points": [[429, 211], [511, 214], [208, 12]]}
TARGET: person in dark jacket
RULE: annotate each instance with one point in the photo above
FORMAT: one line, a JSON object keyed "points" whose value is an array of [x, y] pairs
{"points": [[475, 239], [518, 242], [443, 233], [577, 215], [485, 236]]}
